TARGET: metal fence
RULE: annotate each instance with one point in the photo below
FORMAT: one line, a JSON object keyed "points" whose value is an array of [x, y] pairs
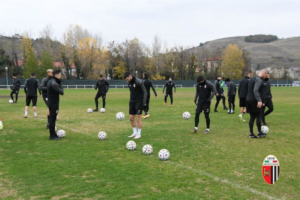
{"points": [[89, 86]]}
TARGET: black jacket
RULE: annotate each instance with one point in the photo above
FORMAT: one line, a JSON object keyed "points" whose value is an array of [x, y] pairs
{"points": [[254, 89], [231, 88], [243, 87], [138, 91], [16, 84], [31, 87], [148, 84], [43, 85], [205, 92], [266, 89], [102, 86], [169, 85], [54, 89], [218, 87]]}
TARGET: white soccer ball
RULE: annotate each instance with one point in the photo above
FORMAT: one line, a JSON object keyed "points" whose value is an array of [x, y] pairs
{"points": [[131, 145], [102, 110], [10, 101], [120, 116], [89, 110], [61, 133], [164, 154], [147, 149], [264, 129], [102, 135], [186, 115]]}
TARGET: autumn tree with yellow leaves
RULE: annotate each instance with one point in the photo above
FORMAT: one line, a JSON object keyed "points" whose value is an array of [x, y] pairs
{"points": [[233, 62]]}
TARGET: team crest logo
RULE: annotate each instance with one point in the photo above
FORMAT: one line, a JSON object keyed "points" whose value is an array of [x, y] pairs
{"points": [[204, 86], [270, 169], [134, 85]]}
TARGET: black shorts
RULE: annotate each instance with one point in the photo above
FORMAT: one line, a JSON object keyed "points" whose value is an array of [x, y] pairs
{"points": [[31, 98], [167, 94], [252, 107], [231, 98], [242, 102], [136, 108], [15, 91], [46, 100], [98, 95], [203, 107]]}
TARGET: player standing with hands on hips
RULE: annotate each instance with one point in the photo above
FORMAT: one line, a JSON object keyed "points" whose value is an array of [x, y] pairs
{"points": [[54, 89], [138, 97], [205, 91], [169, 91], [102, 86], [254, 103]]}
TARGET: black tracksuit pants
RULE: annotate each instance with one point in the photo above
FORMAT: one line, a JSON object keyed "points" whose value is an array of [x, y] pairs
{"points": [[52, 119], [267, 103]]}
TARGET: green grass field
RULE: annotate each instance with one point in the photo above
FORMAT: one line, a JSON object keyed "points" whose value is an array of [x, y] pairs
{"points": [[224, 164]]}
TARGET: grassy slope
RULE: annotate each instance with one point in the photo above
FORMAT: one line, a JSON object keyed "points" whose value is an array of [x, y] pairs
{"points": [[80, 166]]}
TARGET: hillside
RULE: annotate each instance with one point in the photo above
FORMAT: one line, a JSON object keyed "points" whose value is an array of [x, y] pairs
{"points": [[277, 54]]}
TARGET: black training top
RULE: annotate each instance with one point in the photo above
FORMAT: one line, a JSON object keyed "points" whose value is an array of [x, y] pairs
{"points": [[138, 91], [16, 84], [54, 89], [254, 89], [31, 87], [148, 84], [102, 86], [205, 91], [231, 88], [266, 89], [217, 87], [243, 87], [43, 85], [169, 85]]}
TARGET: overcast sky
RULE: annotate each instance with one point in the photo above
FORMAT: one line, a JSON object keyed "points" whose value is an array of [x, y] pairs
{"points": [[179, 22]]}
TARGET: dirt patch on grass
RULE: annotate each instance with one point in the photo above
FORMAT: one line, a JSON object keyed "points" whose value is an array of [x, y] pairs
{"points": [[6, 190], [60, 197]]}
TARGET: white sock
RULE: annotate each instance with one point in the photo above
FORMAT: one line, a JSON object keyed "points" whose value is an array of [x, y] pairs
{"points": [[26, 112], [35, 114], [207, 129], [134, 130], [196, 128], [139, 131]]}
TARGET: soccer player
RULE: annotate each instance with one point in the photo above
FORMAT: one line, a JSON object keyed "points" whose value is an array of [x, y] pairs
{"points": [[254, 103], [266, 97], [169, 91], [219, 93], [54, 89], [15, 88], [30, 89], [148, 84], [102, 86], [138, 97], [205, 91], [242, 92], [43, 87], [231, 95]]}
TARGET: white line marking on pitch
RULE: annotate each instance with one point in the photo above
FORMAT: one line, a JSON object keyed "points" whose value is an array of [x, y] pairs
{"points": [[217, 179]]}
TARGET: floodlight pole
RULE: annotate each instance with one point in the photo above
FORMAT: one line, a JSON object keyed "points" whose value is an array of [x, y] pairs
{"points": [[6, 68]]}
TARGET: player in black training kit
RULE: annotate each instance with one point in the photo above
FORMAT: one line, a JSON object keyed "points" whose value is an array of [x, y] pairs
{"points": [[254, 102], [231, 95], [138, 97], [266, 97], [43, 87], [15, 88], [54, 89], [205, 91], [102, 86], [242, 92], [30, 89], [148, 84], [169, 91], [219, 93]]}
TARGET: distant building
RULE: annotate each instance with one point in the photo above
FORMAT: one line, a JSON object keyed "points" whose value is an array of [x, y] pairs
{"points": [[212, 63]]}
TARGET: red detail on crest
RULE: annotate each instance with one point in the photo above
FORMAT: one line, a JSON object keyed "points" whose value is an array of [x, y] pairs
{"points": [[267, 173]]}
